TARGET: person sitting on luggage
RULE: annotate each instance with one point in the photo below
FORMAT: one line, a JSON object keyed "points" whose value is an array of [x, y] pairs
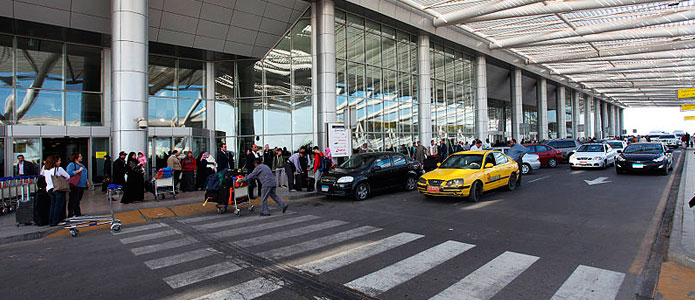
{"points": [[262, 173]]}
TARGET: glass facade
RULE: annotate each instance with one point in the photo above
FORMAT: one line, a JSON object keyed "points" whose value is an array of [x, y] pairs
{"points": [[453, 96], [376, 82], [176, 92], [49, 83], [500, 120]]}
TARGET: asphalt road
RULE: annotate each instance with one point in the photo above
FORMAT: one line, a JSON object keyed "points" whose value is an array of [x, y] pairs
{"points": [[555, 236]]}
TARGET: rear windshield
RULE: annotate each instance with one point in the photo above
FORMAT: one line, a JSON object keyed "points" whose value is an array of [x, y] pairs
{"points": [[590, 148], [562, 144], [616, 145], [644, 149], [463, 161], [667, 136]]}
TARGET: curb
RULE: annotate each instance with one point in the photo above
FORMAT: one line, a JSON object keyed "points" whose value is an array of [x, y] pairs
{"points": [[676, 251]]}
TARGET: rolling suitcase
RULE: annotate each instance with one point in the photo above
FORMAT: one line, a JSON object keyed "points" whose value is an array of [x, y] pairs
{"points": [[25, 209]]}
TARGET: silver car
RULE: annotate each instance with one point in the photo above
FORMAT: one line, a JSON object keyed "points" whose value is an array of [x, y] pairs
{"points": [[530, 161], [567, 146]]}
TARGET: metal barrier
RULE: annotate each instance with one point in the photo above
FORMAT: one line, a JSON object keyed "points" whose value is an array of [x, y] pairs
{"points": [[15, 189]]}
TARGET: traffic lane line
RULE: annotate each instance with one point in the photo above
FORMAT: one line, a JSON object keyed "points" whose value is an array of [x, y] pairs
{"points": [[537, 179]]}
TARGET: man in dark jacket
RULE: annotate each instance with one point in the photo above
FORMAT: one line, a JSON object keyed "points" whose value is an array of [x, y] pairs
{"points": [[268, 155], [443, 150], [119, 170], [251, 156], [24, 168], [223, 158]]}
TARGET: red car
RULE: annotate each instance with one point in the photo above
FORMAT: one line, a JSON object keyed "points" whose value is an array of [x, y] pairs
{"points": [[548, 156]]}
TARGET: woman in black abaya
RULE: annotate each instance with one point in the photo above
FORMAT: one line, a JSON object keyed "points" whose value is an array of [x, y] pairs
{"points": [[134, 189]]}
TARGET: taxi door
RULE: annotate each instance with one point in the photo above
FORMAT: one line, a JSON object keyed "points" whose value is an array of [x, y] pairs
{"points": [[491, 176]]}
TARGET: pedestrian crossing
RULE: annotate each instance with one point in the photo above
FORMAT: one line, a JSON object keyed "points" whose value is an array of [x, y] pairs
{"points": [[321, 247]]}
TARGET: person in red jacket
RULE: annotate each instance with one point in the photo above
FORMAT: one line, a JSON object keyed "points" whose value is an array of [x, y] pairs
{"points": [[318, 168], [188, 166]]}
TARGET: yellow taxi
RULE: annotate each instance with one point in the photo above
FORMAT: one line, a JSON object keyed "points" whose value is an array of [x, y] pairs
{"points": [[463, 174]]}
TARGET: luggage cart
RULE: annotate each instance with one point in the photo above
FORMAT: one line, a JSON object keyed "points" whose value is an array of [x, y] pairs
{"points": [[114, 193], [231, 192], [163, 186]]}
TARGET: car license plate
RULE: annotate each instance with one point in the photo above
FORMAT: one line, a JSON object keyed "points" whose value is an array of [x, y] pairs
{"points": [[583, 162], [638, 166], [324, 188], [433, 189]]}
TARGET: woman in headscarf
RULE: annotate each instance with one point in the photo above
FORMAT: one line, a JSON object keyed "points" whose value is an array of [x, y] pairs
{"points": [[188, 166], [134, 189], [202, 171], [107, 173], [329, 155]]}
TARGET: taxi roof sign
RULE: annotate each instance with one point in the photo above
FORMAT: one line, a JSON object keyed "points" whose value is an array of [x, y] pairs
{"points": [[686, 93]]}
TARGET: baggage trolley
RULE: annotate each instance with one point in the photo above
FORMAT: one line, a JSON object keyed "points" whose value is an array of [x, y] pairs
{"points": [[231, 192], [163, 186], [113, 193], [8, 194]]}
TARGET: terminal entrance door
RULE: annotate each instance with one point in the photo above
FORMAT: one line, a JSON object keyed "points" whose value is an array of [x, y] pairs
{"points": [[64, 147]]}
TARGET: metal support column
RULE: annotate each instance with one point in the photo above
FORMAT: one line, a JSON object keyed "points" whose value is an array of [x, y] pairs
{"points": [[424, 92], [588, 130], [481, 116], [576, 115], [542, 94], [604, 119], [517, 101], [598, 131], [561, 118], [325, 65]]}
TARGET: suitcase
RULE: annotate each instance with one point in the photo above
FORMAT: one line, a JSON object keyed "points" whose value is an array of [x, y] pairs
{"points": [[25, 210], [310, 182], [42, 208]]}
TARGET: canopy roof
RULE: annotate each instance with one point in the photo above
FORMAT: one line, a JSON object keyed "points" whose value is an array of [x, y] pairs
{"points": [[635, 52]]}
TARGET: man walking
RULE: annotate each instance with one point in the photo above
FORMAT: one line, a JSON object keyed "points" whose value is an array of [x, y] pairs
{"points": [[262, 173], [420, 153], [174, 163], [517, 152], [24, 168]]}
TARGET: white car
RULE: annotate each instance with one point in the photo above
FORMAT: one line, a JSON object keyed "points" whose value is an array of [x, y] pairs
{"points": [[670, 140], [593, 155], [617, 145], [530, 161]]}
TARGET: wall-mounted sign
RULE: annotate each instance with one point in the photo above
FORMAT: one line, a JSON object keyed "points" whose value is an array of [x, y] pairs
{"points": [[690, 118], [339, 140], [685, 107], [100, 154], [686, 93]]}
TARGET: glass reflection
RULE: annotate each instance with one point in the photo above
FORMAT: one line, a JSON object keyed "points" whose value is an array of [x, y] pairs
{"points": [[301, 38], [277, 74], [224, 80], [162, 74], [39, 64], [83, 68], [161, 111], [6, 56], [250, 116], [83, 109], [191, 113], [6, 98], [302, 117], [278, 115], [39, 107], [301, 74], [226, 116], [190, 79]]}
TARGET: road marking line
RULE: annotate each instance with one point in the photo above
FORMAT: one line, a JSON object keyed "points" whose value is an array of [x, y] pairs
{"points": [[587, 283], [235, 221], [576, 172], [254, 241], [163, 246], [245, 291], [537, 179], [127, 230], [389, 277], [150, 236], [480, 205], [488, 280], [202, 274], [261, 227], [342, 259], [318, 243], [179, 258], [200, 219]]}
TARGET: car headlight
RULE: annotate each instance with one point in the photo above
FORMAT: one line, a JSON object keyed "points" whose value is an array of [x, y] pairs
{"points": [[598, 158], [345, 179], [659, 159], [422, 181], [454, 182], [621, 158]]}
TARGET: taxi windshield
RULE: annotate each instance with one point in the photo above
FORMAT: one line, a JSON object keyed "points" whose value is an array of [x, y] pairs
{"points": [[590, 148], [644, 148], [357, 161], [463, 161]]}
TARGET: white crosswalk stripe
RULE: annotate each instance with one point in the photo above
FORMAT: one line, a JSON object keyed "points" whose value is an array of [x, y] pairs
{"points": [[245, 291], [263, 226], [345, 258], [389, 277], [318, 243], [127, 230], [489, 279], [588, 283], [205, 273], [150, 236], [254, 241], [202, 218], [234, 221], [179, 258], [163, 246]]}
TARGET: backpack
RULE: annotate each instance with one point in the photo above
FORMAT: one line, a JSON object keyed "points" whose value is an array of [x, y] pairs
{"points": [[326, 163]]}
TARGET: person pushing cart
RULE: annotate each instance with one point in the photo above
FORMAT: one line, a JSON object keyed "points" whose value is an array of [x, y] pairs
{"points": [[263, 173]]}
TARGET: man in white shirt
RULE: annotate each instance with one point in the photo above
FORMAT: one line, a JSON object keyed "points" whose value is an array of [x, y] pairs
{"points": [[477, 146], [432, 148]]}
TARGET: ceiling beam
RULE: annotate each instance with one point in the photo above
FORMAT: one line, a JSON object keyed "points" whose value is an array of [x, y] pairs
{"points": [[553, 7], [641, 33], [664, 17], [460, 16], [631, 67], [616, 51]]}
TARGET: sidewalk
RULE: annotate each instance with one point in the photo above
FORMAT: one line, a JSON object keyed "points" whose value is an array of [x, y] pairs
{"points": [[682, 241], [94, 203]]}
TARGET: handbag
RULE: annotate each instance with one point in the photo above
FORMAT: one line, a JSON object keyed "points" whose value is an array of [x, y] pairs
{"points": [[60, 184], [74, 180]]}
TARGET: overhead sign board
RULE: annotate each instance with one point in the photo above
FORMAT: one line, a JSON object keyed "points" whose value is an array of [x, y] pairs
{"points": [[690, 118], [339, 140], [686, 93], [686, 107]]}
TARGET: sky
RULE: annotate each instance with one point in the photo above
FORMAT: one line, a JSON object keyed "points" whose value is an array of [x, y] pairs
{"points": [[646, 119]]}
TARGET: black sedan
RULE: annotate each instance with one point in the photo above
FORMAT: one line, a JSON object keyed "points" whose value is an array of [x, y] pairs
{"points": [[365, 173], [644, 157]]}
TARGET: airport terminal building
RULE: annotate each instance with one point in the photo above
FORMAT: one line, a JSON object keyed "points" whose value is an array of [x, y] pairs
{"points": [[101, 76]]}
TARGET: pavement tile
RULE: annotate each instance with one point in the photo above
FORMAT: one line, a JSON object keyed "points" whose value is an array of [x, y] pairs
{"points": [[675, 282]]}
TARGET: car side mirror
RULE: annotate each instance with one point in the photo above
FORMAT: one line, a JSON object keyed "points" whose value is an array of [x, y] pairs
{"points": [[439, 164], [489, 165]]}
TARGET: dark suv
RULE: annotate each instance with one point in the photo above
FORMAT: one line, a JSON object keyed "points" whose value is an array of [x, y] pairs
{"points": [[567, 146]]}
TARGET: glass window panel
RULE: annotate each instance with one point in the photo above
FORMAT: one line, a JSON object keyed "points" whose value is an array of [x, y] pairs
{"points": [[405, 115], [191, 77], [416, 124], [278, 115], [6, 54], [413, 56], [375, 142], [373, 44], [388, 53], [355, 44], [301, 72], [39, 64], [251, 116], [341, 84], [302, 116], [355, 21], [279, 141], [390, 116], [224, 80], [283, 45], [162, 74], [83, 68], [277, 75], [340, 39], [390, 85], [226, 117], [458, 68], [301, 38], [388, 32], [161, 111], [356, 80], [373, 83], [39, 107], [6, 95], [192, 113], [449, 66], [372, 26], [404, 89], [339, 16], [182, 144], [30, 148], [403, 56], [250, 76], [83, 109], [439, 64], [299, 140]]}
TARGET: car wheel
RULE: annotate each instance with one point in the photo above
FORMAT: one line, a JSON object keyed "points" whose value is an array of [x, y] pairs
{"points": [[511, 184], [552, 163], [476, 192], [525, 169], [410, 183], [361, 191]]}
